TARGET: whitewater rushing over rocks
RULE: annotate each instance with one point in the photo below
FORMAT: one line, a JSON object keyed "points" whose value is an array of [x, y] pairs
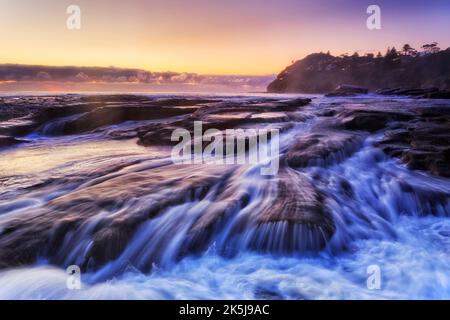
{"points": [[89, 181]]}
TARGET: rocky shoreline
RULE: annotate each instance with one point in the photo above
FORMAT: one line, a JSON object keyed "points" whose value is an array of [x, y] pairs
{"points": [[419, 93], [423, 75], [292, 202], [419, 136]]}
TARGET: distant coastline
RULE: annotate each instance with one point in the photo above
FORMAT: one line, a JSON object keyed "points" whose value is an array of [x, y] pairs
{"points": [[18, 77]]}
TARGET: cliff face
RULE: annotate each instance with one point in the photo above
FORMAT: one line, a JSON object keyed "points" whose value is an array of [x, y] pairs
{"points": [[321, 73]]}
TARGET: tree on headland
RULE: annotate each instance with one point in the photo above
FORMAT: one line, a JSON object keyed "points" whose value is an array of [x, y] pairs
{"points": [[391, 54], [404, 68], [391, 58], [407, 49], [431, 48], [413, 53]]}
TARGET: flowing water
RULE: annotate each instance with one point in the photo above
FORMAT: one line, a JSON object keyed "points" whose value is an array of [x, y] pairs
{"points": [[394, 218]]}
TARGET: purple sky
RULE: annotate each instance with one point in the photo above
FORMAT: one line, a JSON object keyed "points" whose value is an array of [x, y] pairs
{"points": [[210, 36]]}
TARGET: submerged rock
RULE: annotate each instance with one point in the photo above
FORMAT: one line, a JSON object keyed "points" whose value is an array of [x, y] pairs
{"points": [[321, 149], [149, 216], [290, 219], [298, 208], [51, 231]]}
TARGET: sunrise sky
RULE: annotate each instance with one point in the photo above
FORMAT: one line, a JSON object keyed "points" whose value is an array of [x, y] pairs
{"points": [[210, 36]]}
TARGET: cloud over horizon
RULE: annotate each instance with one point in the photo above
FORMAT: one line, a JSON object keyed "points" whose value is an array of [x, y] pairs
{"points": [[17, 73]]}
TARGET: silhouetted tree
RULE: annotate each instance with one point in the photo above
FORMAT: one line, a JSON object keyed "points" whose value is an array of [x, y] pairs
{"points": [[391, 54], [407, 49], [431, 48], [394, 52], [388, 50], [391, 57]]}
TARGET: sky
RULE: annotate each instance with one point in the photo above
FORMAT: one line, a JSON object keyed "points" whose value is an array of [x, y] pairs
{"points": [[241, 37]]}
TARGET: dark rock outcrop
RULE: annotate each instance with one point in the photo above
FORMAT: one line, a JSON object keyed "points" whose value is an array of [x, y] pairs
{"points": [[47, 231], [145, 210], [371, 121], [135, 198], [321, 73], [424, 142], [441, 94], [347, 91], [325, 148], [20, 116], [294, 220], [222, 116], [6, 141], [114, 115], [428, 93]]}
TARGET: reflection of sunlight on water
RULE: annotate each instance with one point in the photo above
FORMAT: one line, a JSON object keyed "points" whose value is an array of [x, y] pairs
{"points": [[269, 115], [231, 115], [41, 156]]}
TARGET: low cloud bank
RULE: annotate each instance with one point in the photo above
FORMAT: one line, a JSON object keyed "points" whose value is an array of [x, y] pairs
{"points": [[101, 76]]}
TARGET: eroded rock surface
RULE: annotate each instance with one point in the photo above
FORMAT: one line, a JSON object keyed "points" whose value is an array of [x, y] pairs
{"points": [[422, 143], [427, 93], [324, 148], [222, 116], [141, 210], [347, 91]]}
